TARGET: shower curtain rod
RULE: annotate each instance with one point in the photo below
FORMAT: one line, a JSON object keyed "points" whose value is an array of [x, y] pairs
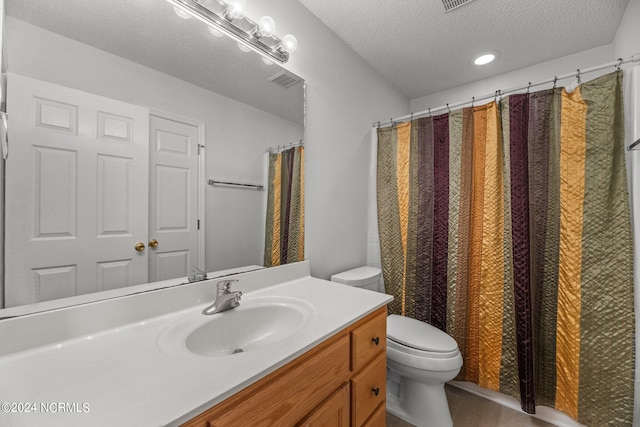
{"points": [[500, 94], [285, 146]]}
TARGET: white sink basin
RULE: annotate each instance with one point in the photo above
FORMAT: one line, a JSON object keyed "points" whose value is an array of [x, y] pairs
{"points": [[257, 323]]}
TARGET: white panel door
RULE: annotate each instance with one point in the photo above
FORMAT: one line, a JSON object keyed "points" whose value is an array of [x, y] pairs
{"points": [[76, 192], [173, 198]]}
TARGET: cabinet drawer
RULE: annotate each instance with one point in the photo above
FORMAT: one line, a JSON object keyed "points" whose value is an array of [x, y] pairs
{"points": [[368, 340], [368, 389], [378, 419]]}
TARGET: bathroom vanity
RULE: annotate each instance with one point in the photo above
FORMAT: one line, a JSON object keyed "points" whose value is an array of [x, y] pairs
{"points": [[340, 382], [297, 351]]}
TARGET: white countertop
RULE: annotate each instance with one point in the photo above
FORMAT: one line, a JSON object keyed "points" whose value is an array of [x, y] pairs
{"points": [[120, 376]]}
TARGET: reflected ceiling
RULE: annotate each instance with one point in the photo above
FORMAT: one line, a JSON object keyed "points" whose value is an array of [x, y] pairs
{"points": [[150, 33]]}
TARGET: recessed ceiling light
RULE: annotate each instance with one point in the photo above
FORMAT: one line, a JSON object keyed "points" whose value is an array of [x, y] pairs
{"points": [[486, 58]]}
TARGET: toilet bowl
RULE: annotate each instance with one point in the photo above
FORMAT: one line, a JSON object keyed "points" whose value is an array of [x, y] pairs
{"points": [[420, 360]]}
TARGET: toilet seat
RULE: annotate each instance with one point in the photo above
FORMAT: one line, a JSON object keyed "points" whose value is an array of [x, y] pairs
{"points": [[419, 335], [391, 343], [419, 345], [424, 361]]}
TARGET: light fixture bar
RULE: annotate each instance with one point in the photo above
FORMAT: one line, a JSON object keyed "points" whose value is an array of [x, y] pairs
{"points": [[227, 27]]}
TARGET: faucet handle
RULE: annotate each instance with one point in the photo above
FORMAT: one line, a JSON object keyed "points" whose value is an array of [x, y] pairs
{"points": [[225, 285], [197, 275]]}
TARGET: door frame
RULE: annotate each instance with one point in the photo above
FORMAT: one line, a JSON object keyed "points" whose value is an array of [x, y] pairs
{"points": [[201, 202]]}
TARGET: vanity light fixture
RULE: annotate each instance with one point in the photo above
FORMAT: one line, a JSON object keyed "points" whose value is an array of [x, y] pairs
{"points": [[228, 17], [486, 58]]}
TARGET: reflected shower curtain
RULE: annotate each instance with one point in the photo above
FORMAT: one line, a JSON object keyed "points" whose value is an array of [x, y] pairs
{"points": [[507, 225], [284, 236]]}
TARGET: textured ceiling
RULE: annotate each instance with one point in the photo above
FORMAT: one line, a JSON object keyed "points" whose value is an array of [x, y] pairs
{"points": [[421, 49], [150, 33]]}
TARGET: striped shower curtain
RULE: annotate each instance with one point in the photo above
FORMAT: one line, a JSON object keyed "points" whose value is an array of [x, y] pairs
{"points": [[284, 236], [507, 225]]}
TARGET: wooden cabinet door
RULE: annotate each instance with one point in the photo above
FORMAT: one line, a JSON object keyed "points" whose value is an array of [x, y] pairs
{"points": [[333, 412], [287, 395]]}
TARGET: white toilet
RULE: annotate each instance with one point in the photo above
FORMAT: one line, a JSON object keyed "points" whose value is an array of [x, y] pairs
{"points": [[420, 360]]}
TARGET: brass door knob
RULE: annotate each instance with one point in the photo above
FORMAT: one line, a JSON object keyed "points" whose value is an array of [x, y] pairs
{"points": [[153, 243], [139, 247]]}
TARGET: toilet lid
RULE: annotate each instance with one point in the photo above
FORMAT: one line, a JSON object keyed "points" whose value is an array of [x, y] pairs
{"points": [[420, 335]]}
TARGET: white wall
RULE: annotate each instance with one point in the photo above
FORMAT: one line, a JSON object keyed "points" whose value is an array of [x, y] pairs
{"points": [[344, 97], [236, 134], [534, 73]]}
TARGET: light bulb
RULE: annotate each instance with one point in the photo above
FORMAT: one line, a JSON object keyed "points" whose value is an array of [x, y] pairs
{"points": [[243, 48], [266, 27], [236, 9], [486, 58], [181, 13], [289, 43], [215, 32]]}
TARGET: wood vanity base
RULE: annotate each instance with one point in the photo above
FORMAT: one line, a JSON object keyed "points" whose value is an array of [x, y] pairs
{"points": [[341, 382]]}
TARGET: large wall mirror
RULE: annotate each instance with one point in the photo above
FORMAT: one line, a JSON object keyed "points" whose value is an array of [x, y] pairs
{"points": [[119, 114]]}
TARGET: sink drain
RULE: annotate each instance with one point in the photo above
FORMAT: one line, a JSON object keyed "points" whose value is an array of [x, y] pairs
{"points": [[237, 350]]}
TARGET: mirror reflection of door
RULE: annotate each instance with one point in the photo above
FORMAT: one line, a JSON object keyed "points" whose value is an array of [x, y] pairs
{"points": [[95, 207], [173, 199]]}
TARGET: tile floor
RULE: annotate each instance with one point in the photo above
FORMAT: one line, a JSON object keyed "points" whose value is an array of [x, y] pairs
{"points": [[470, 410]]}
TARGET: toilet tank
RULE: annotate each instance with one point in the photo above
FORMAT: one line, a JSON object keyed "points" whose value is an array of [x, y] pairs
{"points": [[361, 277]]}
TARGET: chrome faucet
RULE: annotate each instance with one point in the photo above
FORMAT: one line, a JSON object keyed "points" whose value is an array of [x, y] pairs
{"points": [[197, 275], [225, 299]]}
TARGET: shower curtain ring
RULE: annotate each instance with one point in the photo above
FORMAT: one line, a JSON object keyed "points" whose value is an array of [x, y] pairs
{"points": [[555, 80], [429, 111], [528, 87], [578, 76], [448, 109], [618, 67], [473, 100]]}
